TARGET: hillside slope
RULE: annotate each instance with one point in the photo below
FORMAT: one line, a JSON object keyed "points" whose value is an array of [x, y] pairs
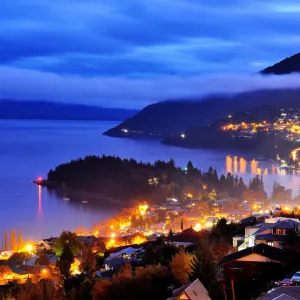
{"points": [[287, 66], [174, 117]]}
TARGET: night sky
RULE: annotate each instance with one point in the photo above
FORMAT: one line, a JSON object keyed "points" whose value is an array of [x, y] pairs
{"points": [[129, 53]]}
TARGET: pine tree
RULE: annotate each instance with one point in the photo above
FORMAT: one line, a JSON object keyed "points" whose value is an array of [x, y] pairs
{"points": [[13, 240], [20, 240], [181, 225]]}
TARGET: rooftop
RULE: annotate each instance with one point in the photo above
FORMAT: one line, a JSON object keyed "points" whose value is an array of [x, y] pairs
{"points": [[261, 249], [283, 293]]}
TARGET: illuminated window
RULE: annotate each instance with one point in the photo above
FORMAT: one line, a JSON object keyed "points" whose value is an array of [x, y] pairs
{"points": [[270, 244]]}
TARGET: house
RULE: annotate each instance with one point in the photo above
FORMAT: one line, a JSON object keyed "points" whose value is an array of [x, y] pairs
{"points": [[127, 255], [248, 263], [116, 263], [186, 236], [274, 232], [282, 293], [191, 291], [46, 243]]}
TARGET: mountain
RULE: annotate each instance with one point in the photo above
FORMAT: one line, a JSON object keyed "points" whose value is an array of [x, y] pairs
{"points": [[174, 117], [286, 66], [10, 109]]}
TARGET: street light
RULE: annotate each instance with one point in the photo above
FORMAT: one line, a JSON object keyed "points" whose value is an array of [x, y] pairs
{"points": [[29, 248]]}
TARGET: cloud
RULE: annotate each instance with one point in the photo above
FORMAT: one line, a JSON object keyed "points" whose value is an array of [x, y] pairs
{"points": [[129, 92], [146, 40]]}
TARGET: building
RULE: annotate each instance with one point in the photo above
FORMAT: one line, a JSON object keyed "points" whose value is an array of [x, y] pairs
{"points": [[248, 263], [282, 293], [126, 255], [274, 232], [46, 243], [186, 236], [192, 291]]}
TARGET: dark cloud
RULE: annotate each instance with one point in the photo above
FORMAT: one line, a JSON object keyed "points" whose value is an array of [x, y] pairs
{"points": [[145, 39]]}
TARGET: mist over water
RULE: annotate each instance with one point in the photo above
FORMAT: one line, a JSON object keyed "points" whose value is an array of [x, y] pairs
{"points": [[28, 149]]}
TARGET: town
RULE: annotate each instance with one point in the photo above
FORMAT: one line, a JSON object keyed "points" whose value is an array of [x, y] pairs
{"points": [[215, 248]]}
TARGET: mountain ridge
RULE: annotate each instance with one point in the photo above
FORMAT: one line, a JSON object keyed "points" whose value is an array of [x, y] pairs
{"points": [[50, 110], [288, 65]]}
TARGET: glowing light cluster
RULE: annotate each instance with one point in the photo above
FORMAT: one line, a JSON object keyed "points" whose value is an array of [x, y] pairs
{"points": [[143, 209]]}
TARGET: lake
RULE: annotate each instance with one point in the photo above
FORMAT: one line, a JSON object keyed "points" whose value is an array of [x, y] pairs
{"points": [[28, 149]]}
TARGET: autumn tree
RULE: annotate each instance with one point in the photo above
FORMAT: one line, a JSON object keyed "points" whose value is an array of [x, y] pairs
{"points": [[4, 271], [204, 266], [88, 262], [43, 289], [69, 238], [125, 272], [100, 289], [181, 267]]}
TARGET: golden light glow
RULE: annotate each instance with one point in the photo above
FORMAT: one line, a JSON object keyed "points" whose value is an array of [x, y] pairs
{"points": [[113, 235], [138, 240], [235, 164], [243, 165], [254, 165], [197, 227], [29, 248], [208, 224], [228, 164], [75, 267], [110, 244], [143, 209]]}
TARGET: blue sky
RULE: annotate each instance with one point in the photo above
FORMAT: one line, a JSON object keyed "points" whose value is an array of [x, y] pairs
{"points": [[131, 53]]}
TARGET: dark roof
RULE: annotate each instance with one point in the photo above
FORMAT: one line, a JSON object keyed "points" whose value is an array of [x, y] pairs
{"points": [[105, 274], [50, 240], [286, 224], [239, 235], [271, 237], [248, 219], [188, 235], [290, 292], [263, 227], [262, 249], [178, 291]]}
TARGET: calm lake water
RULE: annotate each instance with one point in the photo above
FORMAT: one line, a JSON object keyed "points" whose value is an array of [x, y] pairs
{"points": [[30, 148]]}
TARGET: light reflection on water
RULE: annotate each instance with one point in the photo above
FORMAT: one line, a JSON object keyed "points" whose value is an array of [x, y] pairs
{"points": [[28, 149]]}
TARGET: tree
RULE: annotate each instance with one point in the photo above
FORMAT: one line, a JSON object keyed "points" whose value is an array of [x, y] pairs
{"points": [[101, 289], [13, 240], [181, 267], [43, 289], [88, 262], [181, 225], [69, 238], [125, 272], [204, 267], [42, 260], [85, 289], [170, 232], [4, 271], [65, 261]]}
